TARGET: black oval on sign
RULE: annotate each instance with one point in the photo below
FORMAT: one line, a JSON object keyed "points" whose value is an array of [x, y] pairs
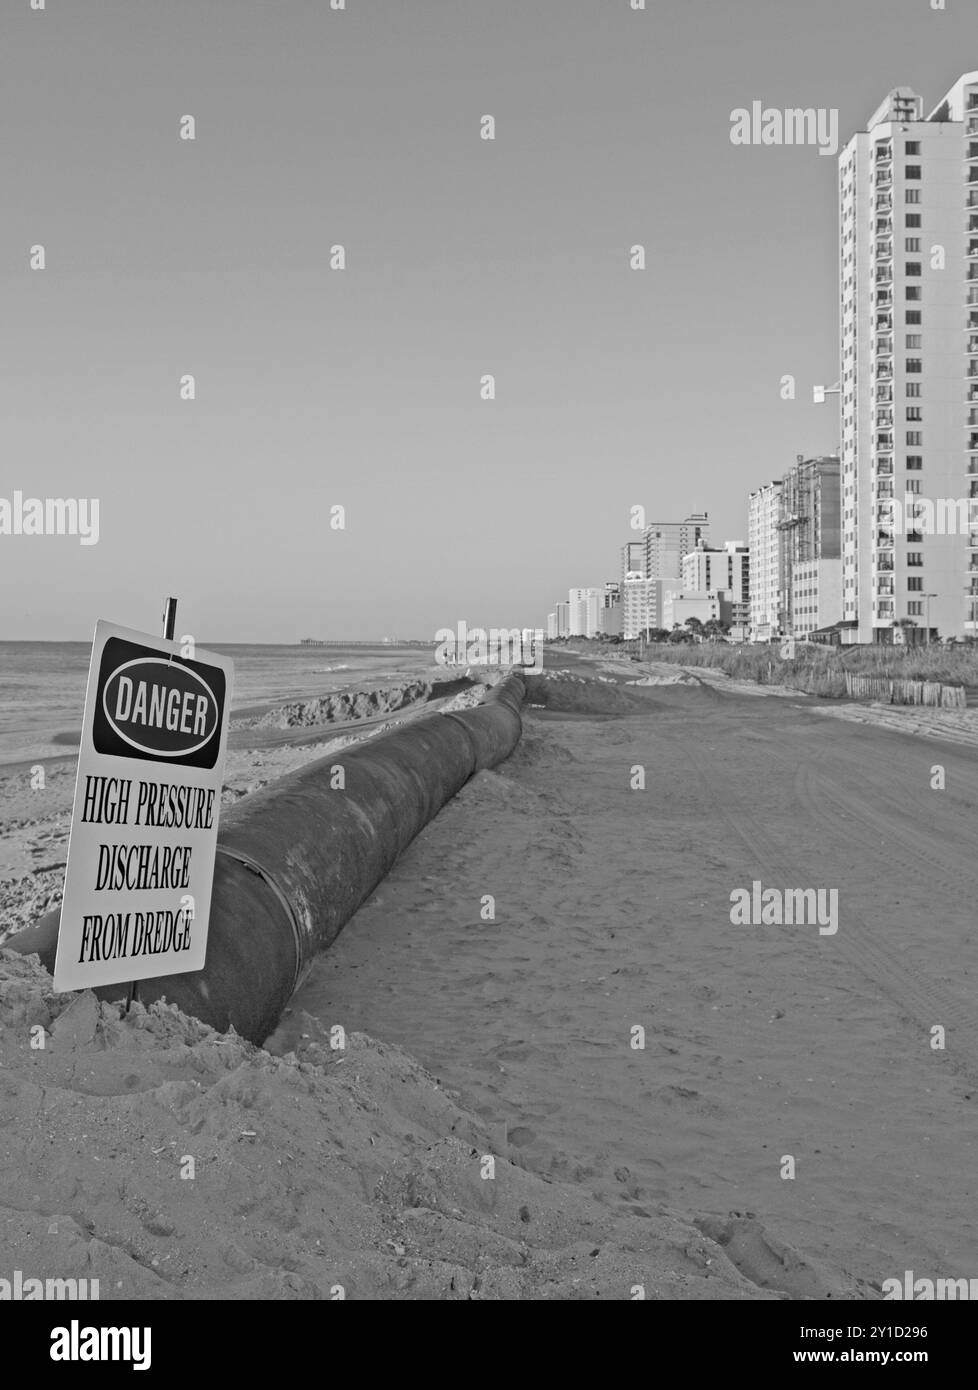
{"points": [[160, 708]]}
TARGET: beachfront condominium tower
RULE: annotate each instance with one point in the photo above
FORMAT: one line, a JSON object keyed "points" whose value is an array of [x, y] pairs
{"points": [[908, 189], [764, 543], [584, 605], [632, 557], [712, 568], [667, 543], [810, 546]]}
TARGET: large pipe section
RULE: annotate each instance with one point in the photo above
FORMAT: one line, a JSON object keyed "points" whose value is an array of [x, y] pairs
{"points": [[298, 858]]}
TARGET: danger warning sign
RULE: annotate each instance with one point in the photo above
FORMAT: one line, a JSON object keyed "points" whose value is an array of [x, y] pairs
{"points": [[144, 822]]}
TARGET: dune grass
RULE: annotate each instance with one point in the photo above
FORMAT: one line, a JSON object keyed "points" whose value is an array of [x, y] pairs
{"points": [[822, 670], [815, 670]]}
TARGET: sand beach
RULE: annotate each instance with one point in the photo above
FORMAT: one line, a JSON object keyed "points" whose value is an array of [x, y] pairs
{"points": [[617, 1167]]}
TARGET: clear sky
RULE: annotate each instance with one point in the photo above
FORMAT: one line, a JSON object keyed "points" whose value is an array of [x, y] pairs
{"points": [[361, 387]]}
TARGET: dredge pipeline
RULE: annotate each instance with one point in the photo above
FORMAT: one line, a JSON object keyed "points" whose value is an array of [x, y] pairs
{"points": [[298, 858]]}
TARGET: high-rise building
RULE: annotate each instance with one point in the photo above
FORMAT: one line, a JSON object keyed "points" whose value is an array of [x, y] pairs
{"points": [[552, 626], [908, 188], [584, 605], [764, 544], [563, 619], [715, 573], [710, 568], [643, 604], [609, 615], [632, 557], [668, 542], [811, 546]]}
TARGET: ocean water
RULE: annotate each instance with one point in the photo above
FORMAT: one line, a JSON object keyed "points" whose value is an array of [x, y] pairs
{"points": [[42, 684]]}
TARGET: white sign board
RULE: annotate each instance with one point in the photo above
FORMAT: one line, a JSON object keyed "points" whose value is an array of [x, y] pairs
{"points": [[787, 648], [144, 823]]}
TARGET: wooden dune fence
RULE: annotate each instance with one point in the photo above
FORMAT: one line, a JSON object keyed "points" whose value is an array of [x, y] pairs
{"points": [[894, 691]]}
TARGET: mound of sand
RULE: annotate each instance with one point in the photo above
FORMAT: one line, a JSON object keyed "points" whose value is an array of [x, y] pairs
{"points": [[169, 1161], [571, 694], [341, 707]]}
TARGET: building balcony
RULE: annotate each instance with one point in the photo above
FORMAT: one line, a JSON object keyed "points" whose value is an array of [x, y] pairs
{"points": [[884, 564], [884, 298], [884, 468]]}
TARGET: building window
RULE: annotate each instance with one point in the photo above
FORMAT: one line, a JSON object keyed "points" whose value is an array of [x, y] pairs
{"points": [[912, 268], [915, 559], [915, 292], [915, 584], [915, 316], [915, 437], [911, 243], [914, 340], [915, 461], [913, 147], [914, 413], [913, 219], [911, 195], [915, 608], [912, 171], [914, 364], [914, 388], [914, 485]]}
